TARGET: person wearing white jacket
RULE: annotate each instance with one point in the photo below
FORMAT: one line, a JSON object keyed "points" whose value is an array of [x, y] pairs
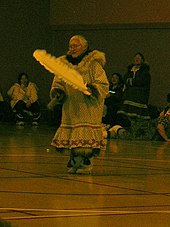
{"points": [[24, 99]]}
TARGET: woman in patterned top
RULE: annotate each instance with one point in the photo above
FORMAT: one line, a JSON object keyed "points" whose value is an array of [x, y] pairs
{"points": [[80, 131], [163, 127]]}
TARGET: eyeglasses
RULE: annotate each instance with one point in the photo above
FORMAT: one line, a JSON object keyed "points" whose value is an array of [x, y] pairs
{"points": [[74, 46]]}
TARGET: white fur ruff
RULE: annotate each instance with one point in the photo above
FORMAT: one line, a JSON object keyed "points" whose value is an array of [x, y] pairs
{"points": [[65, 73]]}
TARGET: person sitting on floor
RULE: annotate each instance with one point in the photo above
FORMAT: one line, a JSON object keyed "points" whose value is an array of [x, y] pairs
{"points": [[24, 100], [113, 100], [167, 106], [163, 128], [6, 114]]}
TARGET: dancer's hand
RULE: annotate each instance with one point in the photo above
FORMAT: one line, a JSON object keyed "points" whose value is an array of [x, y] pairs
{"points": [[93, 90], [60, 95]]}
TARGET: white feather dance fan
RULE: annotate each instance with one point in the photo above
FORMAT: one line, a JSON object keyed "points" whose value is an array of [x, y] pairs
{"points": [[68, 75]]}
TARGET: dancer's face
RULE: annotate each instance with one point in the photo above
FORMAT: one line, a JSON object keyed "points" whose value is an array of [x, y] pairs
{"points": [[75, 48]]}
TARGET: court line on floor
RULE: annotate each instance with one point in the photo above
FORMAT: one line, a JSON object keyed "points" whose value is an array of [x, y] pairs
{"points": [[66, 156], [80, 213], [91, 210], [66, 178], [133, 159]]}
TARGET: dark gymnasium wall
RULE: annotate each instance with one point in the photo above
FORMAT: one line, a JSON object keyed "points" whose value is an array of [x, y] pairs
{"points": [[24, 27], [120, 28]]}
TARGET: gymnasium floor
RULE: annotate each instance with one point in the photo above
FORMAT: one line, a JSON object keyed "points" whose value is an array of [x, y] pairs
{"points": [[129, 186]]}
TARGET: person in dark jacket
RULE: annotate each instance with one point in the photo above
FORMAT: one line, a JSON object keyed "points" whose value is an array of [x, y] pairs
{"points": [[137, 89], [113, 99], [6, 114], [134, 112]]}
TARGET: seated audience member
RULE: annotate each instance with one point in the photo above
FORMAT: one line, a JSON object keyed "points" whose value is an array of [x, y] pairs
{"points": [[6, 114], [24, 100], [113, 99], [167, 106], [163, 128]]}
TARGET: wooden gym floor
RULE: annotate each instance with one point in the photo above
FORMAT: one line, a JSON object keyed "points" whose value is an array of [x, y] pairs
{"points": [[129, 186]]}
